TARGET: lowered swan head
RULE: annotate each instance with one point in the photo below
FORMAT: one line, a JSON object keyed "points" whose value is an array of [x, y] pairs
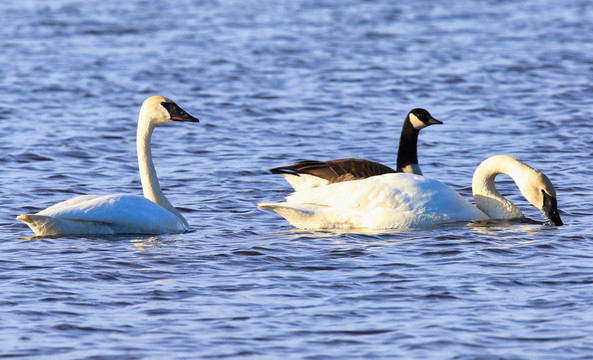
{"points": [[158, 110], [540, 192], [534, 186]]}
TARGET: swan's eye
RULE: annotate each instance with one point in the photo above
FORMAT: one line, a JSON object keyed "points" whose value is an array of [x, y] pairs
{"points": [[170, 107]]}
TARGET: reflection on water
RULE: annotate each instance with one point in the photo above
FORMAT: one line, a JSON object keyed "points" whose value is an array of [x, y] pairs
{"points": [[149, 243]]}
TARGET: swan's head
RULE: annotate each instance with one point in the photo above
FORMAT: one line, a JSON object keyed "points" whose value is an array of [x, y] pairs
{"points": [[541, 194], [160, 110], [420, 118]]}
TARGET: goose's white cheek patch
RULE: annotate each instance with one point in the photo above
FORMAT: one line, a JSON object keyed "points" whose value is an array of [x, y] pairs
{"points": [[416, 123]]}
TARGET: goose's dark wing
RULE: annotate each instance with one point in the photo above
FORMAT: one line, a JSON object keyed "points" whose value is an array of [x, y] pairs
{"points": [[335, 170]]}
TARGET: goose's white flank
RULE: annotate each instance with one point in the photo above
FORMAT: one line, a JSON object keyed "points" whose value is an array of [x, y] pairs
{"points": [[400, 201], [121, 213], [311, 173]]}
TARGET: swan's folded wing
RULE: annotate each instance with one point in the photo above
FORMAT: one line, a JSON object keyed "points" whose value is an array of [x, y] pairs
{"points": [[72, 202]]}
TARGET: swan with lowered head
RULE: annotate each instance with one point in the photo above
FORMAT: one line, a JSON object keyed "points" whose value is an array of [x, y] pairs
{"points": [[121, 213], [311, 173], [400, 201]]}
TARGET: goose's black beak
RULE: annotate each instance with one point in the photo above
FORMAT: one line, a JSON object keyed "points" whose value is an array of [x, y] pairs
{"points": [[177, 113], [433, 121], [550, 208]]}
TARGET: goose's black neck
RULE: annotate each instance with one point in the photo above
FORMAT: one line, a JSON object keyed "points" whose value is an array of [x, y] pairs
{"points": [[407, 153]]}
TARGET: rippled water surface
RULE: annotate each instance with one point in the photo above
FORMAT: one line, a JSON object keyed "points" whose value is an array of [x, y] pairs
{"points": [[274, 82]]}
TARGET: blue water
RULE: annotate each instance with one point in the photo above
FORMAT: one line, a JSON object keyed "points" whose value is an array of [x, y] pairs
{"points": [[273, 82]]}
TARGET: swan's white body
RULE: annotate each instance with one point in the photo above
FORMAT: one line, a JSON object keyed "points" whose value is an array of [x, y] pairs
{"points": [[120, 213], [105, 214], [399, 201], [390, 201]]}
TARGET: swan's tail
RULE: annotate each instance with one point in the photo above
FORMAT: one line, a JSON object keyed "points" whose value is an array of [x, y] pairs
{"points": [[53, 226], [302, 216], [300, 209]]}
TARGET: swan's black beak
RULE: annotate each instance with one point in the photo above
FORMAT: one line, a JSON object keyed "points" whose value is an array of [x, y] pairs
{"points": [[550, 208], [433, 121], [177, 113]]}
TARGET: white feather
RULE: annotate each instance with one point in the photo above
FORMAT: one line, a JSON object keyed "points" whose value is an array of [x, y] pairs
{"points": [[304, 181]]}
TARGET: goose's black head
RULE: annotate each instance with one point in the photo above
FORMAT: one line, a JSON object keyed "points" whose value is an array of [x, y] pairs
{"points": [[420, 118]]}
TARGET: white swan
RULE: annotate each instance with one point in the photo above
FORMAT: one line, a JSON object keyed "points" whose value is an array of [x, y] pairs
{"points": [[121, 213], [311, 173], [399, 201]]}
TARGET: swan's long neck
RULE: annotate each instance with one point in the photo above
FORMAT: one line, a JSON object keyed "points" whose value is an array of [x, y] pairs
{"points": [[487, 198], [148, 177], [407, 154]]}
